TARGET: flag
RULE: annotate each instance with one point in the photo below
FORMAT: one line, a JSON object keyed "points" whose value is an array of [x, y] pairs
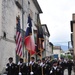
{"points": [[40, 40], [18, 39], [29, 40]]}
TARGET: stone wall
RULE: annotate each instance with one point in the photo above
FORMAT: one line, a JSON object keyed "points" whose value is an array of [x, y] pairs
{"points": [[8, 25], [8, 13], [0, 16]]}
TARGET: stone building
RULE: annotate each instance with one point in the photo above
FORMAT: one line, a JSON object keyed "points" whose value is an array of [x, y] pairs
{"points": [[57, 51], [72, 23], [9, 10], [47, 45]]}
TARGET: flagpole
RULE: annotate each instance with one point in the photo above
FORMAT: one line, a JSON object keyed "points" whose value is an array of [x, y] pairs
{"points": [[29, 54], [40, 47], [23, 29], [42, 66]]}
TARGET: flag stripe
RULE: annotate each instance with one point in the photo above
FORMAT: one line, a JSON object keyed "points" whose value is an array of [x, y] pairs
{"points": [[19, 40]]}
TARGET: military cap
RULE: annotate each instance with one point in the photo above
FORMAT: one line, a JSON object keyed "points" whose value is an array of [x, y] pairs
{"points": [[21, 59], [54, 61], [43, 59], [10, 58], [32, 58]]}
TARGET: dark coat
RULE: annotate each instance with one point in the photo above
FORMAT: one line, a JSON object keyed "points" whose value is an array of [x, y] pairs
{"points": [[23, 69], [56, 71], [10, 69], [69, 65]]}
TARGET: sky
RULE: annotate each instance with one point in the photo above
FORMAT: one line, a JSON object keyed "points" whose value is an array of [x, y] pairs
{"points": [[57, 15]]}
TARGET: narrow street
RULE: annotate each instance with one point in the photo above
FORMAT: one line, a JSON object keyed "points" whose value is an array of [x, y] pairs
{"points": [[66, 72]]}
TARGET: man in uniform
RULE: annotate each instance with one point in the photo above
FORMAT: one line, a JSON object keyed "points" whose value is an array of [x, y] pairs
{"points": [[10, 67], [22, 68], [55, 70], [47, 66], [33, 66], [62, 64], [69, 66], [39, 68]]}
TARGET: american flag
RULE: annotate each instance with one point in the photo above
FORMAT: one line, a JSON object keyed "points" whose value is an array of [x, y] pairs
{"points": [[18, 39]]}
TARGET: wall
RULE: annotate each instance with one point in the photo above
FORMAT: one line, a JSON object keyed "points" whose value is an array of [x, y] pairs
{"points": [[57, 51], [8, 25], [0, 17]]}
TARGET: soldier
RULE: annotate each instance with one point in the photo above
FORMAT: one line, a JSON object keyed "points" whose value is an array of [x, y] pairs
{"points": [[10, 67], [22, 68], [33, 66], [55, 70], [48, 66], [62, 64], [44, 66], [39, 68], [69, 66]]}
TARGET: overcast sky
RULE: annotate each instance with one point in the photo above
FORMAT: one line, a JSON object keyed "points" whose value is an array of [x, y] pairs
{"points": [[57, 15]]}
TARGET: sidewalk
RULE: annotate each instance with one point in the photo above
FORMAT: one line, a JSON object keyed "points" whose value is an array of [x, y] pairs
{"points": [[66, 72]]}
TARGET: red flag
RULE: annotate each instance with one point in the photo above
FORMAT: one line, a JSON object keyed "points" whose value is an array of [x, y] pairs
{"points": [[29, 40]]}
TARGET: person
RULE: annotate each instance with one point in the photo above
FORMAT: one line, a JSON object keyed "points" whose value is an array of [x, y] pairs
{"points": [[22, 68], [33, 66], [48, 64], [69, 66], [10, 67], [39, 67], [55, 70], [62, 64]]}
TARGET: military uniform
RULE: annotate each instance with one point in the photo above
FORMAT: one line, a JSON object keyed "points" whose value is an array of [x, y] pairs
{"points": [[69, 66], [10, 67], [62, 64], [55, 70], [39, 70], [33, 68], [22, 68], [47, 68]]}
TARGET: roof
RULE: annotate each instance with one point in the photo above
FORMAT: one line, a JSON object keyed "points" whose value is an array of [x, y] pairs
{"points": [[46, 28], [57, 47], [37, 6], [51, 43]]}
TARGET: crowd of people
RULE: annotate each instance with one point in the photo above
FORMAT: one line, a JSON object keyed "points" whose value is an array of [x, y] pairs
{"points": [[46, 66]]}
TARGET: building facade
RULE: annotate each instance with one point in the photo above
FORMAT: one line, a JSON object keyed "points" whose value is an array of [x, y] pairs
{"points": [[9, 10], [57, 52], [47, 45], [73, 37]]}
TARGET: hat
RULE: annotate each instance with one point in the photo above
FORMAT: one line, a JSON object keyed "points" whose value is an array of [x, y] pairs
{"points": [[43, 59], [32, 58], [21, 59], [10, 58], [54, 61]]}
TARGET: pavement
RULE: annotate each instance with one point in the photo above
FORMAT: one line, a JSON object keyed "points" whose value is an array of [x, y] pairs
{"points": [[66, 72]]}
